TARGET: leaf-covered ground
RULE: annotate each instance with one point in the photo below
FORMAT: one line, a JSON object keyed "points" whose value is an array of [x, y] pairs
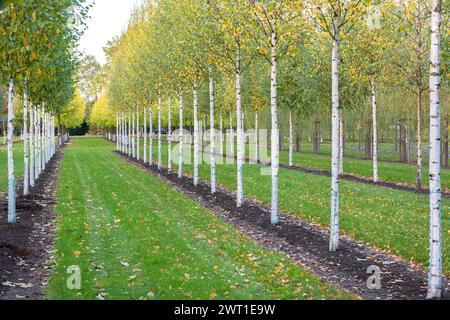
{"points": [[135, 238], [393, 220]]}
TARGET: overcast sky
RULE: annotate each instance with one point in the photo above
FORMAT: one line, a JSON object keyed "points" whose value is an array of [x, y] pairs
{"points": [[108, 19]]}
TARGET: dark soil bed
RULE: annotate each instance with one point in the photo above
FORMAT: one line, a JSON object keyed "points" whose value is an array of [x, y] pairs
{"points": [[26, 246], [307, 244]]}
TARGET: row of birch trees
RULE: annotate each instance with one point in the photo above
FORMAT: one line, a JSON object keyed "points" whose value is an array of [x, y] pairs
{"points": [[248, 52], [37, 62]]}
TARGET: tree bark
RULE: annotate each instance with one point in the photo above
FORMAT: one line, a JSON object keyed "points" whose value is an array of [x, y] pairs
{"points": [[11, 177], [196, 135], [334, 216], [159, 128], [402, 143], [274, 216], [240, 158], [145, 135], [316, 138], [150, 124], [32, 181], [435, 269], [291, 141], [26, 179], [375, 135], [169, 133], [180, 150], [212, 135]]}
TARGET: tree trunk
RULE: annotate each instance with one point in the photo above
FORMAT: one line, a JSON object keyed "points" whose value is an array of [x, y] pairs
{"points": [[435, 269], [26, 179], [11, 177], [368, 143], [291, 141], [375, 135], [133, 132], [150, 124], [32, 181], [274, 216], [212, 135], [402, 143], [196, 135], [334, 216], [316, 138], [240, 158], [180, 150], [138, 135], [145, 135], [159, 128], [169, 133], [419, 141], [256, 138]]}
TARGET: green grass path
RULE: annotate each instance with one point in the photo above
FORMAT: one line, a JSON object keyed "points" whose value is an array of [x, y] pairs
{"points": [[135, 238]]}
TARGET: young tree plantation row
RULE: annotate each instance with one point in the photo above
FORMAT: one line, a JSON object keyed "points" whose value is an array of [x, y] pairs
{"points": [[316, 70]]}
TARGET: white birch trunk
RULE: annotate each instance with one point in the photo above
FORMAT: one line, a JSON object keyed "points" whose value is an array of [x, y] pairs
{"points": [[375, 133], [334, 221], [196, 135], [159, 128], [145, 135], [221, 136], [212, 135], [150, 152], [32, 177], [291, 141], [133, 132], [274, 216], [11, 177], [117, 133], [180, 151], [240, 158], [129, 135], [256, 138], [36, 143], [138, 136], [26, 179], [435, 269], [169, 134]]}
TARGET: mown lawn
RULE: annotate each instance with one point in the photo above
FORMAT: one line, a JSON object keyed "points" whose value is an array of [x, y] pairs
{"points": [[133, 237], [396, 221]]}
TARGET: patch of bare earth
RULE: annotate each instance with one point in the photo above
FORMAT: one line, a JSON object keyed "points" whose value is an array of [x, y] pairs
{"points": [[27, 245]]}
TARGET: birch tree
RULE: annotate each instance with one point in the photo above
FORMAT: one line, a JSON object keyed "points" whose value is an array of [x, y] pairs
{"points": [[435, 269]]}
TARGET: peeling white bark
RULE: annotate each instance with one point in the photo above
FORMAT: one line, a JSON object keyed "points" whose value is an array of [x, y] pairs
{"points": [[274, 215], [26, 179], [212, 135], [435, 269], [196, 135], [334, 220], [11, 177], [375, 134], [169, 134], [291, 141], [180, 151], [32, 177]]}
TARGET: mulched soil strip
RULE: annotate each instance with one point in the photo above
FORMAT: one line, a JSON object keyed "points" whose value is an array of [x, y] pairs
{"points": [[307, 244], [26, 246]]}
